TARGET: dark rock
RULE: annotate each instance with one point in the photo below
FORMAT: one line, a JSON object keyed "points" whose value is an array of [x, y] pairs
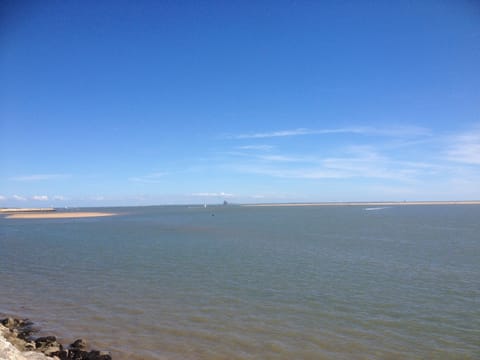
{"points": [[62, 354], [26, 330], [21, 328], [29, 346], [45, 341], [19, 331], [20, 335], [98, 355], [52, 350], [78, 344], [48, 345], [77, 354], [8, 322], [13, 323], [25, 323]]}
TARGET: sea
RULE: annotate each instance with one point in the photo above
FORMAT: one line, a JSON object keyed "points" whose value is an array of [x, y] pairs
{"points": [[236, 282]]}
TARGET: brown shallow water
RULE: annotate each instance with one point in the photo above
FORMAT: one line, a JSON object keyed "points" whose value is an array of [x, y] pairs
{"points": [[252, 283]]}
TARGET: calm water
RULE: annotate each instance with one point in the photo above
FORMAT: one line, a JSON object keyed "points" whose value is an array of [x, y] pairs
{"points": [[252, 283]]}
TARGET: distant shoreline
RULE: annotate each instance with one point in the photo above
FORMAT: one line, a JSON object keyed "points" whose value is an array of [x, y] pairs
{"points": [[25, 210], [372, 203], [56, 215]]}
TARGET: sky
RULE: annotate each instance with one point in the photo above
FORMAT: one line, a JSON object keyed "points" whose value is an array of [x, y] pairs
{"points": [[106, 103]]}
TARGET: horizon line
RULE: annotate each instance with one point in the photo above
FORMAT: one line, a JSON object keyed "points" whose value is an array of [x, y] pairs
{"points": [[269, 204]]}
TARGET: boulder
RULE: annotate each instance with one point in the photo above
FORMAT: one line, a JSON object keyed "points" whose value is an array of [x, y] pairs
{"points": [[8, 322], [21, 328], [18, 332], [78, 344], [98, 355], [48, 345], [77, 354], [45, 341]]}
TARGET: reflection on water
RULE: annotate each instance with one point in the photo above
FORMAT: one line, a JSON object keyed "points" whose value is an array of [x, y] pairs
{"points": [[252, 283]]}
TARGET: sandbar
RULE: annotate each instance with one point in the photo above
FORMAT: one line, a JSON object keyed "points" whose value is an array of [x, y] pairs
{"points": [[58, 215]]}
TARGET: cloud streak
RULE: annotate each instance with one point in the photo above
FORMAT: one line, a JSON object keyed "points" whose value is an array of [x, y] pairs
{"points": [[40, 177], [213, 194], [465, 148], [256, 147], [40, 197], [362, 162], [281, 133], [154, 178], [400, 131]]}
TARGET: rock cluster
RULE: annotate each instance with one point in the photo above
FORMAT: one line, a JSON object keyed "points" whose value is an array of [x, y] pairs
{"points": [[20, 334]]}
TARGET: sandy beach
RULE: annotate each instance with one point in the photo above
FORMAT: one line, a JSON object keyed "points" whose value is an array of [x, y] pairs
{"points": [[392, 203], [57, 215]]}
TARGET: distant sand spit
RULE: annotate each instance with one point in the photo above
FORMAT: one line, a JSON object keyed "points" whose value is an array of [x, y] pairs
{"points": [[371, 203], [58, 215]]}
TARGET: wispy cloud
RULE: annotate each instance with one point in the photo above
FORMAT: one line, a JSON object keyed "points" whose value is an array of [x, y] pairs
{"points": [[256, 147], [395, 131], [280, 133], [398, 131], [59, 198], [18, 198], [40, 197], [289, 173], [258, 196], [280, 158], [3, 198], [40, 177], [149, 179], [465, 148], [354, 162], [212, 194]]}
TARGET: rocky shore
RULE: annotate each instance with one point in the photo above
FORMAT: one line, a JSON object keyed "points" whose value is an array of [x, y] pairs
{"points": [[17, 342]]}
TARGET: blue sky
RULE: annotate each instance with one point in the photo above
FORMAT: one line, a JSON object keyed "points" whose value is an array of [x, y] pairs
{"points": [[160, 102]]}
